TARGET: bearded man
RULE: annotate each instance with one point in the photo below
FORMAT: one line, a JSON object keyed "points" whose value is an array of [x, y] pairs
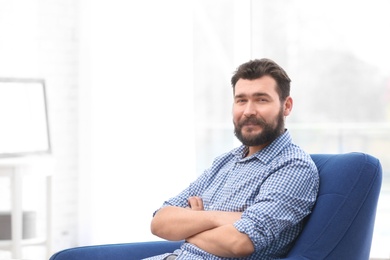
{"points": [[251, 202]]}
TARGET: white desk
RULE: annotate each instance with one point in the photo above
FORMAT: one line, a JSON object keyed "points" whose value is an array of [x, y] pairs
{"points": [[15, 169]]}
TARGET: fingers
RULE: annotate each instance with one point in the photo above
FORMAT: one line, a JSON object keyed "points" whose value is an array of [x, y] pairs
{"points": [[195, 203]]}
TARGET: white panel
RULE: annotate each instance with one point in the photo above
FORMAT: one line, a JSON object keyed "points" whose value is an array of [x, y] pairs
{"points": [[141, 126]]}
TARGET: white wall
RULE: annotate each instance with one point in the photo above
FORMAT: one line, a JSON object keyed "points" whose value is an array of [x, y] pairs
{"points": [[137, 133], [39, 40]]}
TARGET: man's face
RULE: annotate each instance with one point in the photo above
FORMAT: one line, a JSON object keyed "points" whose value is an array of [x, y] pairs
{"points": [[258, 114]]}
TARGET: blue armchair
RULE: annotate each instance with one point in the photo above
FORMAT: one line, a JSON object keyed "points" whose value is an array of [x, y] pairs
{"points": [[340, 226]]}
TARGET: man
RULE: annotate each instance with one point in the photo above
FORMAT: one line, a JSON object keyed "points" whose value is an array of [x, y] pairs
{"points": [[250, 204]]}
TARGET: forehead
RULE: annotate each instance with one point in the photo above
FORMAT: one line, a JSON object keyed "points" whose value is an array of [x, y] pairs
{"points": [[265, 84]]}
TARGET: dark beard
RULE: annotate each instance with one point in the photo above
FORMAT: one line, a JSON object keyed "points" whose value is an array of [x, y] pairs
{"points": [[267, 135]]}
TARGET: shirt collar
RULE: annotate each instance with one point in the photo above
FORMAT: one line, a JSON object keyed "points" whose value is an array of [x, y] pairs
{"points": [[269, 152]]}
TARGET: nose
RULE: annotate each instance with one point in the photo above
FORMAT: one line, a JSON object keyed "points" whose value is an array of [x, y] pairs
{"points": [[250, 109]]}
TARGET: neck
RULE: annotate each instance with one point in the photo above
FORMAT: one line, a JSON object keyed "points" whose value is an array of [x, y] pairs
{"points": [[254, 149]]}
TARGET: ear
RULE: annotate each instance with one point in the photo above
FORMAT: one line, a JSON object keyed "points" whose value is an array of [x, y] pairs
{"points": [[288, 105]]}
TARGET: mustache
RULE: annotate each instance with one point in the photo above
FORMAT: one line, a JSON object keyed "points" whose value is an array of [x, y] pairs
{"points": [[252, 121]]}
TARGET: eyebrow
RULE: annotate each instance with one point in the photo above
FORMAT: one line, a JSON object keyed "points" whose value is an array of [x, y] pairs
{"points": [[256, 94]]}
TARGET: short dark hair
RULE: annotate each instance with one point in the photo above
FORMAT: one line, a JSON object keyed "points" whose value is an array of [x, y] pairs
{"points": [[258, 68]]}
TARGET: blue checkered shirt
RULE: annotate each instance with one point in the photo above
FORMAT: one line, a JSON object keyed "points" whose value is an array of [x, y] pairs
{"points": [[275, 189]]}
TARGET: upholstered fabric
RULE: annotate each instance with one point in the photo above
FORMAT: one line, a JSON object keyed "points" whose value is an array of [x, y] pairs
{"points": [[130, 251], [342, 221], [340, 226]]}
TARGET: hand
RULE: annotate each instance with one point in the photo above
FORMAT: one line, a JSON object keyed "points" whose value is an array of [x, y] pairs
{"points": [[195, 203]]}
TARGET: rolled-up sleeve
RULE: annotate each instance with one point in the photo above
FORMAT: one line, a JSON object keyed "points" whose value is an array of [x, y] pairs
{"points": [[285, 198]]}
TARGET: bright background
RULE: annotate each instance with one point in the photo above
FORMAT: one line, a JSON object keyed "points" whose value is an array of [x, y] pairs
{"points": [[139, 96]]}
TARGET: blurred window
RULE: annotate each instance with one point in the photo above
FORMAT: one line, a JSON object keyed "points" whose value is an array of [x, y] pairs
{"points": [[337, 55]]}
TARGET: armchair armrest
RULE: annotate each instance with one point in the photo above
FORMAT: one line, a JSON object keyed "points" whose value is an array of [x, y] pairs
{"points": [[125, 251]]}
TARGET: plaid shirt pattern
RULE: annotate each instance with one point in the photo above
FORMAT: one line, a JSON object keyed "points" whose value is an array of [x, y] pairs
{"points": [[275, 189]]}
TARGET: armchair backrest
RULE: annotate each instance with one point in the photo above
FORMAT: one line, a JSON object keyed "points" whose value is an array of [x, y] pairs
{"points": [[341, 224]]}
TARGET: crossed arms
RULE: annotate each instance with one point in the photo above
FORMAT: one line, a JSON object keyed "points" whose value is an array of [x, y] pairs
{"points": [[212, 231]]}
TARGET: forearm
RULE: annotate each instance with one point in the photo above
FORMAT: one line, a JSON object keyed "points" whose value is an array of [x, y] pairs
{"points": [[176, 223], [223, 241]]}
